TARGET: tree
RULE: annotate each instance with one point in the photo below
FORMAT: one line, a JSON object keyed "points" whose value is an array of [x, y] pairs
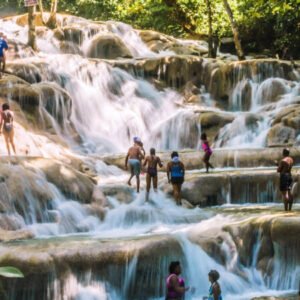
{"points": [[31, 28], [235, 31], [210, 30], [52, 22]]}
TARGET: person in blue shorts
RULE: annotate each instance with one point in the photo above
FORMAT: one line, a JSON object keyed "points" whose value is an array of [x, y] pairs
{"points": [[3, 48]]}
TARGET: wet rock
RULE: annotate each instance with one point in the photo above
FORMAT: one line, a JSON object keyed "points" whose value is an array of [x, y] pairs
{"points": [[31, 73], [16, 235], [280, 135], [71, 182], [109, 47], [220, 158], [272, 90], [71, 34], [22, 20], [123, 193], [69, 47], [212, 122]]}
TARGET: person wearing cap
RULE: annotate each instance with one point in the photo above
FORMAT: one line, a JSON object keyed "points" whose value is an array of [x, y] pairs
{"points": [[286, 180], [133, 158], [3, 48], [175, 173]]}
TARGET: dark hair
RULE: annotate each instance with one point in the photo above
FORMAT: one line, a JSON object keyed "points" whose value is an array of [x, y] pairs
{"points": [[173, 265], [5, 106], [214, 274], [152, 151], [203, 136], [174, 154], [286, 152]]}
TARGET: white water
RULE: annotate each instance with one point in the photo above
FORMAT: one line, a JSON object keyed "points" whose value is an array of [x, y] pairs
{"points": [[109, 107]]}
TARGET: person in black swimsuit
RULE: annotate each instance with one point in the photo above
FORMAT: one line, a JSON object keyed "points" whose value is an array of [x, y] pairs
{"points": [[286, 181], [152, 161]]}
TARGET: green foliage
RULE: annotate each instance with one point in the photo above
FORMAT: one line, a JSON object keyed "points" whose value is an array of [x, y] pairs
{"points": [[11, 272]]}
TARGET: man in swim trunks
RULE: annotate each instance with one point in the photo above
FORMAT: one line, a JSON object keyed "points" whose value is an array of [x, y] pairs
{"points": [[286, 181], [134, 157], [3, 48], [152, 161]]}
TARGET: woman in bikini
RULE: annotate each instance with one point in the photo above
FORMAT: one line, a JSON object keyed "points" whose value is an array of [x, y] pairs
{"points": [[7, 127]]}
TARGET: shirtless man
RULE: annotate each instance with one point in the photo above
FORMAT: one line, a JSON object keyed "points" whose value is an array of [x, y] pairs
{"points": [[134, 157], [286, 181], [152, 161]]}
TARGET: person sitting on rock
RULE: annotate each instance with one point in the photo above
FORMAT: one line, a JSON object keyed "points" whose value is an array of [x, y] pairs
{"points": [[286, 181], [207, 152], [175, 173], [7, 127], [152, 161], [3, 48], [134, 157], [214, 290]]}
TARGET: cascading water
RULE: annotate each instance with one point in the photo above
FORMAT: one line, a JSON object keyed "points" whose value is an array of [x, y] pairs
{"points": [[96, 107]]}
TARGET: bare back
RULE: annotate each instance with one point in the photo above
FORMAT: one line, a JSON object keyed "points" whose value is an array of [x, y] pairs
{"points": [[134, 152]]}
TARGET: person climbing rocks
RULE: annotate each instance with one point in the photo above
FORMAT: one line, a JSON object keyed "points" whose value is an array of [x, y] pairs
{"points": [[175, 174], [207, 151], [175, 284], [7, 127], [286, 180], [134, 158], [214, 290], [151, 161], [3, 48]]}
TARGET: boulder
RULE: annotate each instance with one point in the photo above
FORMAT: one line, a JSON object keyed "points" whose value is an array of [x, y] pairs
{"points": [[212, 122], [280, 135], [70, 48], [109, 47], [71, 34], [272, 89]]}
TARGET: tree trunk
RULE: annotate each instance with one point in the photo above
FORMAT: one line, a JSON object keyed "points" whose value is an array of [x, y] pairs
{"points": [[52, 22], [41, 10], [31, 28], [210, 31], [235, 31]]}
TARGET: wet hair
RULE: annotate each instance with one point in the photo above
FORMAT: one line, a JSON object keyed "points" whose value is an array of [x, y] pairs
{"points": [[173, 265], [285, 152], [5, 106], [152, 151], [214, 274], [203, 136], [174, 154]]}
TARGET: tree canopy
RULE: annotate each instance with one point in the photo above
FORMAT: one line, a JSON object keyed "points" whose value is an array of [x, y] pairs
{"points": [[263, 24]]}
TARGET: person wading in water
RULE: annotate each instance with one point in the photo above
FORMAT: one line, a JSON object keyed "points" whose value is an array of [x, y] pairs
{"points": [[175, 173], [207, 152], [214, 290], [134, 157], [7, 127], [286, 181], [175, 284], [152, 161]]}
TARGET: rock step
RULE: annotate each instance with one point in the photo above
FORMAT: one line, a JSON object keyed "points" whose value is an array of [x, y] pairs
{"points": [[221, 158]]}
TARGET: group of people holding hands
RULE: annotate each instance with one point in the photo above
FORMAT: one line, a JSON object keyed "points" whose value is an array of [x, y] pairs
{"points": [[175, 168]]}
